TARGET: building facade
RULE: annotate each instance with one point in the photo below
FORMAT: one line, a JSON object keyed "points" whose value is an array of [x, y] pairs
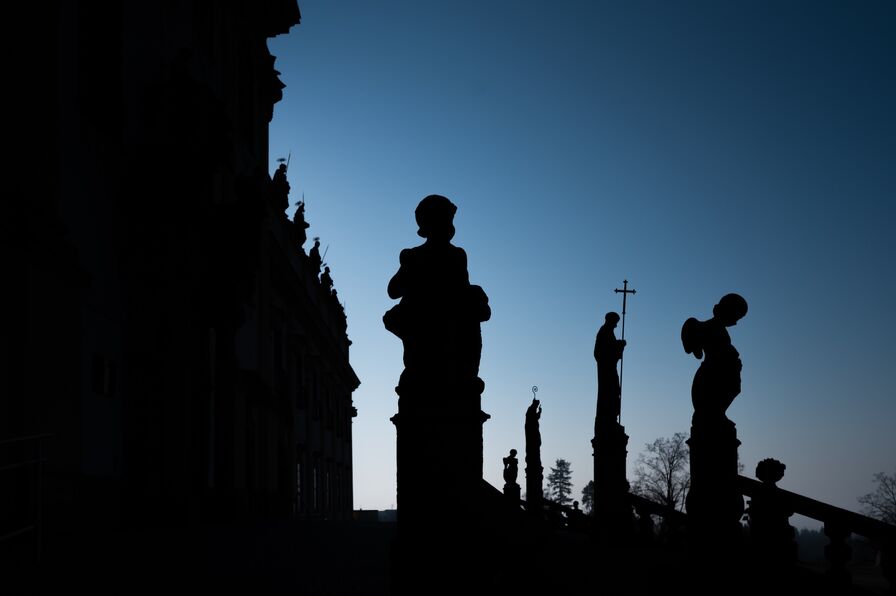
{"points": [[177, 354]]}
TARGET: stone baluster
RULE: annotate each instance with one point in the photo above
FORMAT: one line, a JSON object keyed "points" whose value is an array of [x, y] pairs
{"points": [[837, 553], [888, 562]]}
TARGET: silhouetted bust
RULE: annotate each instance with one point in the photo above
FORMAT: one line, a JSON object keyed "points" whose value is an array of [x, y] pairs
{"points": [[717, 381], [607, 352], [511, 467], [439, 314]]}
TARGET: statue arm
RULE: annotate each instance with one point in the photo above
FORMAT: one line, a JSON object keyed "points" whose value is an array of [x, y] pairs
{"points": [[397, 287], [620, 346], [692, 337], [463, 260]]}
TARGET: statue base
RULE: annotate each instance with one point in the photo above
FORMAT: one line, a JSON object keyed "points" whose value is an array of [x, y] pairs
{"points": [[613, 517], [439, 486], [512, 493], [439, 454], [714, 503], [534, 488]]}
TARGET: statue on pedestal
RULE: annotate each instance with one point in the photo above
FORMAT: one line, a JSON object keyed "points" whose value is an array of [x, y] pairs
{"points": [[439, 420], [714, 502], [511, 470], [611, 509], [534, 469]]}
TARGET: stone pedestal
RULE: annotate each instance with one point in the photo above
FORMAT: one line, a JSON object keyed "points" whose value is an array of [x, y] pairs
{"points": [[714, 503], [612, 512], [439, 456], [512, 492], [439, 478], [439, 420], [534, 488], [773, 539]]}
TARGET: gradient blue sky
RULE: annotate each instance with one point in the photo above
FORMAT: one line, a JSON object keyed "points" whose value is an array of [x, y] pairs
{"points": [[694, 148]]}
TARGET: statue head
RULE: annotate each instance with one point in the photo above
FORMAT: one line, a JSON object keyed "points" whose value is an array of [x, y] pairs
{"points": [[730, 309], [513, 453], [612, 318], [435, 218]]}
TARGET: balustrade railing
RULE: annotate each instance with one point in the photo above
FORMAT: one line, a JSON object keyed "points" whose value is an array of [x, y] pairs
{"points": [[839, 525]]}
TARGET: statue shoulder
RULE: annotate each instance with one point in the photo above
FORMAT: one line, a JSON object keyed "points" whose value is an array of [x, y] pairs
{"points": [[692, 337], [408, 255], [458, 253]]}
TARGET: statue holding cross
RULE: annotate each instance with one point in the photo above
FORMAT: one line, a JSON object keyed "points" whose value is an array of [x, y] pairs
{"points": [[612, 510], [607, 352]]}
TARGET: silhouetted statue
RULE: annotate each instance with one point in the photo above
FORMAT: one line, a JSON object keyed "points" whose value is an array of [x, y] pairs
{"points": [[299, 224], [326, 281], [534, 469], [280, 187], [607, 352], [511, 467], [717, 381], [314, 256], [575, 518], [714, 502], [612, 511], [334, 297], [439, 420], [533, 434], [439, 314], [511, 471]]}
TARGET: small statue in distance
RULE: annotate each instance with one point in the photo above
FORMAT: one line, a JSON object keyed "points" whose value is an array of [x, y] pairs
{"points": [[511, 467]]}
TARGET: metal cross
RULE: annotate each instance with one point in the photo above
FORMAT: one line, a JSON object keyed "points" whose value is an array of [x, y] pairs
{"points": [[625, 292]]}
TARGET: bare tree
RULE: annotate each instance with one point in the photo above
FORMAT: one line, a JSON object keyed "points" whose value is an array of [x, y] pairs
{"points": [[662, 473], [560, 482], [882, 502]]}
